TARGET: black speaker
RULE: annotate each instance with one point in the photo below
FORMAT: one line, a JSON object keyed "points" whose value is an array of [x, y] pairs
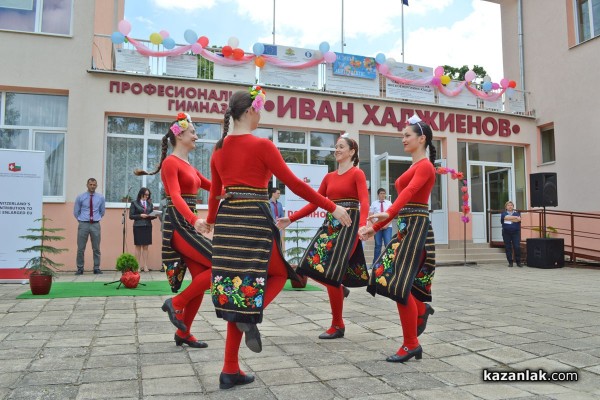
{"points": [[544, 191], [546, 252]]}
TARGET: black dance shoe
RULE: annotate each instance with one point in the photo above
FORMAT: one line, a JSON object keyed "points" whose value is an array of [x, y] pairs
{"points": [[346, 291], [252, 336], [339, 333], [417, 353], [428, 311], [190, 341], [227, 381], [168, 308]]}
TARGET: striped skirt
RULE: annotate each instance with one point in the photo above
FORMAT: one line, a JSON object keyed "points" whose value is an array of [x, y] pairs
{"points": [[242, 244], [328, 258], [408, 262], [173, 221]]}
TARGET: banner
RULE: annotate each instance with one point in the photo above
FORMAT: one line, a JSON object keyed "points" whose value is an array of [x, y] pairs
{"points": [[352, 74], [425, 94], [463, 99], [313, 175], [241, 73], [22, 183], [306, 78], [182, 65]]}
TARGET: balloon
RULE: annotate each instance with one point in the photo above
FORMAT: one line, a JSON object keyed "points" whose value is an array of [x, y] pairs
{"points": [[439, 71], [124, 27], [190, 36], [495, 86], [470, 75], [117, 37], [445, 79], [435, 81], [512, 84], [258, 48], [487, 78], [510, 92], [168, 43], [259, 62], [324, 47], [318, 55], [203, 41], [238, 54], [380, 58], [227, 51], [504, 83], [330, 57], [155, 38], [384, 69], [233, 42], [196, 48], [390, 61], [164, 34], [487, 86]]}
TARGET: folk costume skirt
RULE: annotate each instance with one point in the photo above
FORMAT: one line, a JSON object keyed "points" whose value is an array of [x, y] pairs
{"points": [[242, 244], [328, 258], [408, 262], [173, 221]]}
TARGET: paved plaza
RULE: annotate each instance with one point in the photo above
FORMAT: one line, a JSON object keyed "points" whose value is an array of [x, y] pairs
{"points": [[486, 317]]}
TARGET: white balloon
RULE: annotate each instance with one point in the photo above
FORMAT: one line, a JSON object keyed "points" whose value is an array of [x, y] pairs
{"points": [[233, 42], [390, 61], [487, 78]]}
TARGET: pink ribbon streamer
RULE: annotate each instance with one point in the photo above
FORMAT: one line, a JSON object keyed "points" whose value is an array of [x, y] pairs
{"points": [[452, 93], [210, 56], [484, 95], [403, 81], [145, 51], [284, 64]]}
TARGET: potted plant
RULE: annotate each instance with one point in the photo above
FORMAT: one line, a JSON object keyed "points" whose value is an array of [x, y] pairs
{"points": [[128, 265], [293, 253], [41, 269]]}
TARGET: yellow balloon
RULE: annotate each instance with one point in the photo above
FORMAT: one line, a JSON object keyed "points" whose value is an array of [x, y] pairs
{"points": [[155, 38], [445, 79]]}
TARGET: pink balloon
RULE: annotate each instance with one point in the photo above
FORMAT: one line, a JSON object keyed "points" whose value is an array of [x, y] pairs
{"points": [[435, 81], [164, 34], [330, 57], [469, 76], [504, 83], [124, 27], [196, 48], [439, 71], [495, 86], [384, 69]]}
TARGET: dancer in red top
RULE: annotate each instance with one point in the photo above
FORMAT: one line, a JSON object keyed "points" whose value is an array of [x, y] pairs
{"points": [[248, 267], [405, 269], [335, 255], [183, 246]]}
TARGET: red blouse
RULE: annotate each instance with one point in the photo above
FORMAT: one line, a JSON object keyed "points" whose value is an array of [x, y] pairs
{"points": [[179, 178], [413, 186], [351, 184], [246, 160]]}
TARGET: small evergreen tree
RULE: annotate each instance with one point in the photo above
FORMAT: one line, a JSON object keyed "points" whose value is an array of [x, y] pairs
{"points": [[41, 264], [127, 262], [295, 236]]}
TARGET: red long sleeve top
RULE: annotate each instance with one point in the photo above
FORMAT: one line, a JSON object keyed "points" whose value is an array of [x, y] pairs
{"points": [[179, 178], [414, 186], [246, 160], [351, 184]]}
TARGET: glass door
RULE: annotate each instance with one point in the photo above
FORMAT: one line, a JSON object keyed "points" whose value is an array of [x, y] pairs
{"points": [[499, 191], [382, 175]]}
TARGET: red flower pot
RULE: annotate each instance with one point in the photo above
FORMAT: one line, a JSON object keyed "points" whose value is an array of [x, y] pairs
{"points": [[40, 284], [130, 279]]}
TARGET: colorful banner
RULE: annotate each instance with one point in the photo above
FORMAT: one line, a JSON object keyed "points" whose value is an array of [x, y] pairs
{"points": [[355, 66], [306, 78], [345, 76]]}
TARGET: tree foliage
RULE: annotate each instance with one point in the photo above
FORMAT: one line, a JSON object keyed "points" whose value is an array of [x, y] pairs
{"points": [[458, 74]]}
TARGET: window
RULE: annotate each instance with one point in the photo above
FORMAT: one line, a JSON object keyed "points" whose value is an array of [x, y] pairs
{"points": [[40, 16], [137, 143], [547, 139], [588, 19], [37, 122]]}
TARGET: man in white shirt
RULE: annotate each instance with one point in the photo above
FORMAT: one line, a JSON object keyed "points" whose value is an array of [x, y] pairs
{"points": [[383, 237]]}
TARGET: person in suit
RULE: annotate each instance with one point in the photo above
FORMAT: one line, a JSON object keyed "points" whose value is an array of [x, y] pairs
{"points": [[139, 212], [89, 208], [276, 207]]}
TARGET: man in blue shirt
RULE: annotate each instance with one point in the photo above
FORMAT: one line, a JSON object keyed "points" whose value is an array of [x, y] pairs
{"points": [[89, 209]]}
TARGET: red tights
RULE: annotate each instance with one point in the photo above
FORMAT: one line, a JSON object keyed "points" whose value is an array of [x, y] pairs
{"points": [[409, 315], [190, 299], [276, 277]]}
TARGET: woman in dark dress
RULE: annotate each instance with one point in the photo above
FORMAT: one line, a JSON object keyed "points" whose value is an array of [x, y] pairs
{"points": [[139, 212]]}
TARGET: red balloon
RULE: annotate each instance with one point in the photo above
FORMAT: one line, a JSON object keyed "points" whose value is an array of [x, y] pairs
{"points": [[203, 41], [227, 51], [238, 54], [512, 84]]}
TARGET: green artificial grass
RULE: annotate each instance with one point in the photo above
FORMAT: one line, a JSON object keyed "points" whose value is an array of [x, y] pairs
{"points": [[99, 289]]}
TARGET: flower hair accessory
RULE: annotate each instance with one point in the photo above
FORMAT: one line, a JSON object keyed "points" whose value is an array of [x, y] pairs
{"points": [[345, 135], [183, 122], [258, 96]]}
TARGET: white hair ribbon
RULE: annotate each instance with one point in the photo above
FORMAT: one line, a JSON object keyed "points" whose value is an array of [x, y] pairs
{"points": [[414, 119], [345, 135]]}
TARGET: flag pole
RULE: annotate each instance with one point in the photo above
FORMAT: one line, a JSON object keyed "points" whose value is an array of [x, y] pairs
{"points": [[342, 26], [273, 21], [402, 31]]}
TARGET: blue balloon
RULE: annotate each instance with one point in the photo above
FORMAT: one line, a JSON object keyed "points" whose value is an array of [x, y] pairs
{"points": [[117, 37], [258, 49], [380, 58], [487, 86], [168, 43], [190, 36], [324, 47]]}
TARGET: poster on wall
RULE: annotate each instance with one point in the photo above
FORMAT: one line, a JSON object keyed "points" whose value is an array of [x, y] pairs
{"points": [[425, 94], [22, 180], [131, 61], [242, 73], [352, 74], [493, 105], [182, 65], [313, 175], [463, 99], [306, 78], [515, 101]]}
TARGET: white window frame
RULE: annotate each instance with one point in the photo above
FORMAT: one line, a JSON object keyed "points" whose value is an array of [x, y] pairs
{"points": [[39, 4], [591, 20]]}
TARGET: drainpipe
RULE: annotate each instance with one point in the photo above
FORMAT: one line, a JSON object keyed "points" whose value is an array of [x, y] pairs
{"points": [[521, 52]]}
